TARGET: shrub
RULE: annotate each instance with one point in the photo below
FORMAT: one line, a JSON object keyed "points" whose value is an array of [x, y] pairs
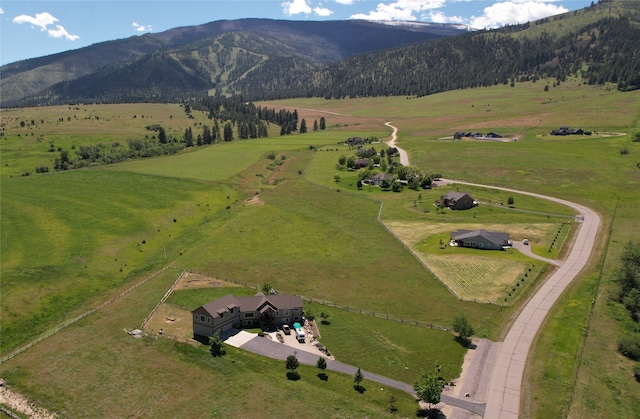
{"points": [[636, 372], [629, 346]]}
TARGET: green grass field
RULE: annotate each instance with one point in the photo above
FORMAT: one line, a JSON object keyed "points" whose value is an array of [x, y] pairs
{"points": [[71, 240]]}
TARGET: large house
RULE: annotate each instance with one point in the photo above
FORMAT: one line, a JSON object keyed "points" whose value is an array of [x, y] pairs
{"points": [[259, 310], [481, 239], [458, 200]]}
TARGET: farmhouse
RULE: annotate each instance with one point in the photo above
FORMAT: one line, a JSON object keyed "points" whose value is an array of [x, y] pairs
{"points": [[356, 141], [360, 163], [260, 310], [481, 239], [381, 177], [457, 200], [570, 131]]}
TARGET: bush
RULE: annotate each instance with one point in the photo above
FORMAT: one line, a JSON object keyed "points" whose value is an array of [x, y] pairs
{"points": [[629, 346], [636, 372]]}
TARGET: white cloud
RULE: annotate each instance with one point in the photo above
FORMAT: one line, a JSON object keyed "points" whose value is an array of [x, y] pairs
{"points": [[440, 17], [42, 20], [345, 2], [61, 32], [296, 7], [514, 12], [322, 11], [400, 10], [1, 11], [141, 28]]}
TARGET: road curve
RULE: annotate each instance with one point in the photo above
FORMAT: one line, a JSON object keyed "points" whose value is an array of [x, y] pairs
{"points": [[503, 400], [404, 157]]}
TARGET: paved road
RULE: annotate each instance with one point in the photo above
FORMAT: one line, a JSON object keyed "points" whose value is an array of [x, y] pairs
{"points": [[503, 401]]}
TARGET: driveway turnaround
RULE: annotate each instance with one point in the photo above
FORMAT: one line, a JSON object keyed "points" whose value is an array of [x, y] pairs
{"points": [[503, 400]]}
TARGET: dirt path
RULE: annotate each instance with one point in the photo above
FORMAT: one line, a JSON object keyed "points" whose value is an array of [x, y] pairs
{"points": [[404, 157], [19, 403]]}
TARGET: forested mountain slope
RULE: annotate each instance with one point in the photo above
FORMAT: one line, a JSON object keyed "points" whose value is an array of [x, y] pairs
{"points": [[599, 43], [319, 42]]}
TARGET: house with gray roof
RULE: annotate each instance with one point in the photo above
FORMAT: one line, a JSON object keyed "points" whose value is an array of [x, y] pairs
{"points": [[267, 311], [481, 239], [457, 200]]}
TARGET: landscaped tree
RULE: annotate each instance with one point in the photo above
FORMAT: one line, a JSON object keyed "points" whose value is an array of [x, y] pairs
{"points": [[510, 200], [266, 288], [315, 125], [303, 126], [428, 387], [216, 345], [463, 328], [358, 378], [292, 364], [323, 123], [322, 365], [325, 318]]}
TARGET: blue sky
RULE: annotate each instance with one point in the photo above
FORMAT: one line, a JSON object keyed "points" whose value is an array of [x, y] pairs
{"points": [[36, 28]]}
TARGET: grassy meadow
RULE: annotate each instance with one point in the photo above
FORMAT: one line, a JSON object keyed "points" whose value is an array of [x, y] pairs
{"points": [[71, 240]]}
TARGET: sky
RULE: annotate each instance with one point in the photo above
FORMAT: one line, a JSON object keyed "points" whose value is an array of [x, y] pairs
{"points": [[31, 29]]}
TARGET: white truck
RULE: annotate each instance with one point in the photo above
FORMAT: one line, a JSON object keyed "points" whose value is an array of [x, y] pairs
{"points": [[300, 335]]}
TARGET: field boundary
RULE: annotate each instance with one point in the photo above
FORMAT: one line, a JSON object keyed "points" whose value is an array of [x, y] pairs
{"points": [[164, 298], [379, 220], [82, 316], [327, 303]]}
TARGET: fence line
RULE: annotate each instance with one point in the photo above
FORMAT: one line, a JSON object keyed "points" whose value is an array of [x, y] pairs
{"points": [[379, 220], [343, 307], [80, 317], [377, 315], [164, 298]]}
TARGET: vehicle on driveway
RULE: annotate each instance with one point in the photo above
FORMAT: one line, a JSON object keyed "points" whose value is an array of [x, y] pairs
{"points": [[300, 335], [525, 241], [286, 329]]}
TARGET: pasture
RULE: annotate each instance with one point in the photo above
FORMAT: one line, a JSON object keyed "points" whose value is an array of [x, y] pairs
{"points": [[71, 240]]}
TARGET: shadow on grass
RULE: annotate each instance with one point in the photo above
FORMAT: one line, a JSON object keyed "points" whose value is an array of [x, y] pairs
{"points": [[293, 376], [465, 342], [430, 414], [323, 376], [359, 389]]}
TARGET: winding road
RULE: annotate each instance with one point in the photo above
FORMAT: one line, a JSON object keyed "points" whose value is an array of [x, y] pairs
{"points": [[503, 400]]}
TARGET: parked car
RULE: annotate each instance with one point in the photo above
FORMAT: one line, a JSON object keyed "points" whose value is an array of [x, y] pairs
{"points": [[286, 329], [525, 241], [300, 335]]}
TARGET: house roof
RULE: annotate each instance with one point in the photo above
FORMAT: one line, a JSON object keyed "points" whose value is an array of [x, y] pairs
{"points": [[493, 236], [455, 195], [258, 302]]}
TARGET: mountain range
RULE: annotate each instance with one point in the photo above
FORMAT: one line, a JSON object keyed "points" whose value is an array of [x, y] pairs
{"points": [[271, 59], [194, 59]]}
